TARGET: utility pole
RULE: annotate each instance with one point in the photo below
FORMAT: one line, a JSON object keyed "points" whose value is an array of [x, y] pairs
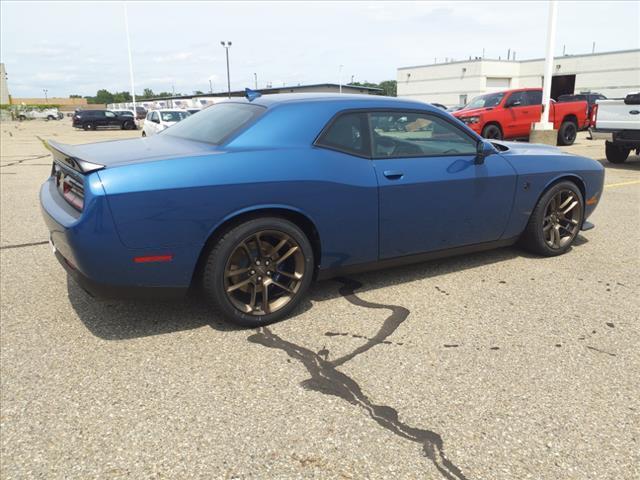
{"points": [[226, 46], [548, 65], [255, 79], [542, 131], [210, 86], [340, 77], [46, 99], [133, 91]]}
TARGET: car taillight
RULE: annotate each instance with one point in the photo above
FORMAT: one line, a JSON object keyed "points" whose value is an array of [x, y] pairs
{"points": [[70, 187], [594, 113]]}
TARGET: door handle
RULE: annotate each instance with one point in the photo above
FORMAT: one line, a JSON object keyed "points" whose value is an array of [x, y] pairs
{"points": [[393, 174]]}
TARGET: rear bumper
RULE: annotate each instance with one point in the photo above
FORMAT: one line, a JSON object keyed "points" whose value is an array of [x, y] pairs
{"points": [[108, 291]]}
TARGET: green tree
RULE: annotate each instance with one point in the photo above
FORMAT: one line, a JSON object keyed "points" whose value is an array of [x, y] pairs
{"points": [[147, 93], [75, 96], [389, 88], [104, 96]]}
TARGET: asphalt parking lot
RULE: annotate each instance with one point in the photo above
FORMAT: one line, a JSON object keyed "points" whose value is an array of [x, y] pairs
{"points": [[497, 365]]}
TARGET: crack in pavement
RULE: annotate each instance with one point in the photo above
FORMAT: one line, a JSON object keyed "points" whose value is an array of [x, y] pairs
{"points": [[22, 245], [18, 162], [325, 378]]}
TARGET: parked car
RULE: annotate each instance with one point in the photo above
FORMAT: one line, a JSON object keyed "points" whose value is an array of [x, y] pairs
{"points": [[193, 110], [158, 120], [509, 114], [34, 113], [591, 98], [141, 112], [455, 108], [618, 122], [93, 119], [254, 199]]}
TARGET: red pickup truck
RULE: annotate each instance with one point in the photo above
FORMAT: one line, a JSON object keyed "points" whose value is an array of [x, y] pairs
{"points": [[509, 114]]}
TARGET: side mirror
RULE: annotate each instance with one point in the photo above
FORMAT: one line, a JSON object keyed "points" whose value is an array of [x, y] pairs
{"points": [[483, 150], [155, 120]]}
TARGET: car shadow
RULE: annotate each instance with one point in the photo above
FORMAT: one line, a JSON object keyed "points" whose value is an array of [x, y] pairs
{"points": [[122, 320], [632, 163]]}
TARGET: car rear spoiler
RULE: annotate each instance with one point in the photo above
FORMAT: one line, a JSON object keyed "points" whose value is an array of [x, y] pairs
{"points": [[66, 155]]}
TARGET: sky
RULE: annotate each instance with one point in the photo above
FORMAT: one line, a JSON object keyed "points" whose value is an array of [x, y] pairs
{"points": [[80, 47]]}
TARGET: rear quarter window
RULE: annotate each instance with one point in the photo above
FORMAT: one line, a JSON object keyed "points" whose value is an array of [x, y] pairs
{"points": [[216, 123]]}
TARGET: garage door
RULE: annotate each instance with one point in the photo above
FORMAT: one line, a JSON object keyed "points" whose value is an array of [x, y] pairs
{"points": [[498, 83]]}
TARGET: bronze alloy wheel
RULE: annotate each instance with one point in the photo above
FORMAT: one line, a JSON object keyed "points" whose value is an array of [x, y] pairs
{"points": [[561, 222], [264, 272]]}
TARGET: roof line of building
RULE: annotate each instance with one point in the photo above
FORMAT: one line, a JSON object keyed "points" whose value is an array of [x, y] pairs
{"points": [[519, 61]]}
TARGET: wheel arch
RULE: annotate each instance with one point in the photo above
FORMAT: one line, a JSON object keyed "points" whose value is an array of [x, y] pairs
{"points": [[570, 118], [565, 177], [493, 122], [295, 216]]}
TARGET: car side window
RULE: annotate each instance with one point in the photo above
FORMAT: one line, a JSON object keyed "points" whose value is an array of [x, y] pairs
{"points": [[154, 116], [534, 97], [516, 97], [411, 134], [109, 114], [149, 115], [347, 133]]}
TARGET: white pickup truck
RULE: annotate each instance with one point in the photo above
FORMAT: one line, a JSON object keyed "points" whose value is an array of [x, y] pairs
{"points": [[46, 114], [618, 122]]}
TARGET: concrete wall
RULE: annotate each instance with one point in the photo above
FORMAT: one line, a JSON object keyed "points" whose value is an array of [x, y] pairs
{"points": [[613, 74]]}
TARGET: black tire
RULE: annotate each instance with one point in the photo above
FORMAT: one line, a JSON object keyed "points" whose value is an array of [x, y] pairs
{"points": [[144, 134], [50, 117], [533, 237], [22, 118], [616, 153], [127, 125], [89, 126], [492, 131], [567, 133], [213, 278]]}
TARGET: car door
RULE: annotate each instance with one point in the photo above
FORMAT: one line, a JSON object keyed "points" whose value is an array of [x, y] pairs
{"points": [[518, 115], [432, 194], [112, 120], [534, 101]]}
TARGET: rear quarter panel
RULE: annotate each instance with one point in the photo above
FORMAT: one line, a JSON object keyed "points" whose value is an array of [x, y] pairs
{"points": [[180, 202], [562, 110]]}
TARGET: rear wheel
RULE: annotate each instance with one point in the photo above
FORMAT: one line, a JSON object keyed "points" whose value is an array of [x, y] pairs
{"points": [[567, 133], [259, 271], [492, 131], [127, 125], [616, 153], [144, 134], [556, 220]]}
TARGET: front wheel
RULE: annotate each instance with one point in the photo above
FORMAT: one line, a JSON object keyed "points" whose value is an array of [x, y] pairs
{"points": [[567, 133], [259, 271], [492, 131], [556, 220], [616, 153]]}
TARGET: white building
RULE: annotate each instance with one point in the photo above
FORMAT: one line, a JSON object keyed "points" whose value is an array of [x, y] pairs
{"points": [[613, 74], [4, 89]]}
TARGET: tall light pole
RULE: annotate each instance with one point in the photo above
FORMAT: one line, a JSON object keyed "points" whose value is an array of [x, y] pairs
{"points": [[133, 91], [46, 99], [340, 78], [255, 78], [548, 66], [210, 86], [226, 46]]}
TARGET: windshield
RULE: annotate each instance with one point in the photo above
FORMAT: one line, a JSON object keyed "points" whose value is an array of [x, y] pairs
{"points": [[216, 123], [173, 116], [485, 101]]}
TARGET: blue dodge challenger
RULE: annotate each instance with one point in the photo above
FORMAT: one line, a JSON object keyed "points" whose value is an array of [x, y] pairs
{"points": [[253, 198]]}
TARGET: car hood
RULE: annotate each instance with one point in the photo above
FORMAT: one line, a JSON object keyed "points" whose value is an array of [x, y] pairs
{"points": [[135, 150], [524, 148], [470, 112]]}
